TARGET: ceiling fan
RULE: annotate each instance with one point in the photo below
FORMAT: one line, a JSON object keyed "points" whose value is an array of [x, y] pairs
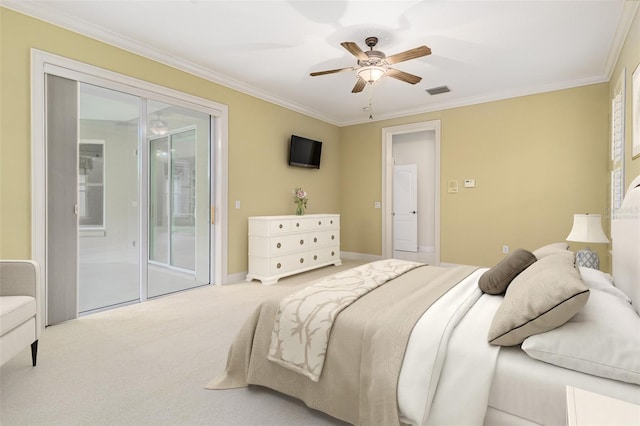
{"points": [[374, 64]]}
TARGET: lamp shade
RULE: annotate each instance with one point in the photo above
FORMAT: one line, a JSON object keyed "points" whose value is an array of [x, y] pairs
{"points": [[587, 228]]}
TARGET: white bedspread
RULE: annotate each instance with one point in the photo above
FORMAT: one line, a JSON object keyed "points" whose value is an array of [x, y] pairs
{"points": [[448, 362]]}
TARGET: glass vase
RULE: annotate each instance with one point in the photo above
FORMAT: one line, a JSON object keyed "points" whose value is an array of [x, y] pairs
{"points": [[299, 210]]}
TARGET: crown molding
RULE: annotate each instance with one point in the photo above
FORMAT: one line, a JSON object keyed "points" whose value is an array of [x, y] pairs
{"points": [[629, 10], [46, 14], [474, 100]]}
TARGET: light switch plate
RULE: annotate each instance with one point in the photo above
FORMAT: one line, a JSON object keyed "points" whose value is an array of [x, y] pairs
{"points": [[469, 183], [452, 186]]}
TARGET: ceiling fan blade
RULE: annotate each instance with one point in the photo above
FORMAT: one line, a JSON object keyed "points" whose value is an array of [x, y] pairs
{"points": [[408, 54], [403, 76], [359, 85], [313, 74], [354, 49]]}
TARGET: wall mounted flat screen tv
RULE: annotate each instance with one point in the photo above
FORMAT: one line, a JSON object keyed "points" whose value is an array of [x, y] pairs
{"points": [[304, 152]]}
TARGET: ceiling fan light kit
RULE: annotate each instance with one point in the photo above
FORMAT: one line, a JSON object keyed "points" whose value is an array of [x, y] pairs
{"points": [[158, 127], [372, 65], [371, 74]]}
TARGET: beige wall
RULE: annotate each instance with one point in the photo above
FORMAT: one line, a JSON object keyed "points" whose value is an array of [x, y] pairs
{"points": [[537, 160], [258, 135], [629, 59]]}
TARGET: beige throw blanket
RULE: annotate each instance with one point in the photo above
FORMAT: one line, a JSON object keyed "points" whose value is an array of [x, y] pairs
{"points": [[304, 319], [368, 340]]}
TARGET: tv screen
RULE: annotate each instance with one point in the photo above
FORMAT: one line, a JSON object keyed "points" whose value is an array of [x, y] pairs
{"points": [[304, 152]]}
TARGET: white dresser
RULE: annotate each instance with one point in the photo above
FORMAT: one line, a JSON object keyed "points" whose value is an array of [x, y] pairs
{"points": [[285, 245]]}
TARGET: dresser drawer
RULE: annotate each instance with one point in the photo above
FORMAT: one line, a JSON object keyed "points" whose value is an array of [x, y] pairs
{"points": [[265, 228], [324, 255], [324, 238], [317, 223], [283, 264], [278, 245]]}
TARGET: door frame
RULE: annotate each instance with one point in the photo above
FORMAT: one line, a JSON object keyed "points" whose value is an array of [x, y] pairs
{"points": [[43, 63], [387, 182]]}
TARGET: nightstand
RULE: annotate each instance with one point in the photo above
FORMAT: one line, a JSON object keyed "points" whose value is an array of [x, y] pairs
{"points": [[588, 408]]}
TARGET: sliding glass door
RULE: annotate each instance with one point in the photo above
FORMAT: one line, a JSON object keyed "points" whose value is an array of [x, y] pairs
{"points": [[108, 198], [179, 199], [110, 224], [126, 182]]}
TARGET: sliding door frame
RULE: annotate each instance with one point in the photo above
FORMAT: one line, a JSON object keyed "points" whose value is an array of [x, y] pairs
{"points": [[43, 63]]}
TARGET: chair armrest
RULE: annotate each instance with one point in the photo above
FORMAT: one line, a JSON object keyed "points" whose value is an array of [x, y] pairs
{"points": [[22, 278], [19, 278]]}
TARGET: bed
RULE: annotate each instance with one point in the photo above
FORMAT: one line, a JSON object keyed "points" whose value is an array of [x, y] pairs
{"points": [[395, 342]]}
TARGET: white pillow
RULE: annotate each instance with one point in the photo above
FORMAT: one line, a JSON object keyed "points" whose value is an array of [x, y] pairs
{"points": [[602, 339], [602, 281], [552, 248]]}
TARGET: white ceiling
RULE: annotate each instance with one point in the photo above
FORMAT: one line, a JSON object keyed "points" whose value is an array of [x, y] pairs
{"points": [[482, 50]]}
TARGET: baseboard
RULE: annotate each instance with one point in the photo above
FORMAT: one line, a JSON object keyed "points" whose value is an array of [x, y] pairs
{"points": [[235, 278], [360, 256]]}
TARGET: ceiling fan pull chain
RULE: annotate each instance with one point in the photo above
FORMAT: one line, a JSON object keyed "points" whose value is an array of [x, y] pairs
{"points": [[371, 102]]}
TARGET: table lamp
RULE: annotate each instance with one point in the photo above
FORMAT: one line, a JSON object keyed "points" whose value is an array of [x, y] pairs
{"points": [[587, 228]]}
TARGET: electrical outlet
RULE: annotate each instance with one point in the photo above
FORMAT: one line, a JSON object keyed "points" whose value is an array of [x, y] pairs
{"points": [[505, 249], [376, 205]]}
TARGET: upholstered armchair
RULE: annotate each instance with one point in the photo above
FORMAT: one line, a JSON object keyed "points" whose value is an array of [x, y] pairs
{"points": [[20, 322]]}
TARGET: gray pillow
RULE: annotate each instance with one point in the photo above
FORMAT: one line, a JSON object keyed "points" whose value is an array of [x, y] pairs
{"points": [[497, 279], [541, 298]]}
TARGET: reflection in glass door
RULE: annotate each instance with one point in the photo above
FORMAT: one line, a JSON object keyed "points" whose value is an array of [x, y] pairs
{"points": [[179, 199], [172, 178], [159, 200], [109, 199], [108, 212]]}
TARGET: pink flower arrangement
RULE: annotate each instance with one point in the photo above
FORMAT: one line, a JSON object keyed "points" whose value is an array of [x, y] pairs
{"points": [[301, 199]]}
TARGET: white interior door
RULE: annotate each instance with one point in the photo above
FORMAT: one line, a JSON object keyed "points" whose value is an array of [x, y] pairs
{"points": [[405, 214]]}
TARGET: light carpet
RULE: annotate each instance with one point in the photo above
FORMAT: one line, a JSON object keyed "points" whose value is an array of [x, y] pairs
{"points": [[148, 363]]}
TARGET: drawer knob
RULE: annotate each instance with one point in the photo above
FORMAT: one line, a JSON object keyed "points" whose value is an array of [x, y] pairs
{"points": [[280, 226], [301, 260], [315, 239], [319, 222], [297, 224], [333, 253], [315, 257], [278, 265], [301, 242], [331, 221], [333, 237], [278, 245]]}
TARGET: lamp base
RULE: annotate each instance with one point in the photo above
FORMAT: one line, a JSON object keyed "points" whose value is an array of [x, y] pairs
{"points": [[588, 258]]}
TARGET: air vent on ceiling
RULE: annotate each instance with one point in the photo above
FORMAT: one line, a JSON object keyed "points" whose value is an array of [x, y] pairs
{"points": [[438, 90]]}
